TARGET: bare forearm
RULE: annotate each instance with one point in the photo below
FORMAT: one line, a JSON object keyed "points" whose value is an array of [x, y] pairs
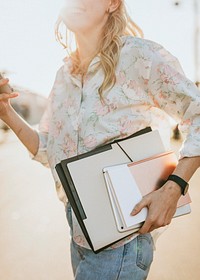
{"points": [[26, 134], [186, 168]]}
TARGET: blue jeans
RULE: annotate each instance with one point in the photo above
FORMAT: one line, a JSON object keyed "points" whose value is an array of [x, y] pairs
{"points": [[128, 262]]}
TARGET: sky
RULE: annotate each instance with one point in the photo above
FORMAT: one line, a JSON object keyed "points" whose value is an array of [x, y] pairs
{"points": [[29, 51]]}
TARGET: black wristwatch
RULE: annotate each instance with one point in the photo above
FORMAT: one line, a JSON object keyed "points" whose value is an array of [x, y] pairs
{"points": [[182, 183]]}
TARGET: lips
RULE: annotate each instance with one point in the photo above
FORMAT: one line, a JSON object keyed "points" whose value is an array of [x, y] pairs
{"points": [[73, 6], [72, 9]]}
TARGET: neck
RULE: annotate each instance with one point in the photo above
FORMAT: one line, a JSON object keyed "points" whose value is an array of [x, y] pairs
{"points": [[88, 43], [87, 47]]}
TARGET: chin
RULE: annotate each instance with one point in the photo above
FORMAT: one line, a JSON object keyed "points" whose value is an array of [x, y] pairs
{"points": [[77, 27]]}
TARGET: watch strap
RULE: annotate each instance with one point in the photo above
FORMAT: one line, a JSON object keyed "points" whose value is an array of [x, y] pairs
{"points": [[182, 183]]}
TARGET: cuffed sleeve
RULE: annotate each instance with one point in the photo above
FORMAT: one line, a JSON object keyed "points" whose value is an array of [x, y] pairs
{"points": [[41, 155], [172, 92]]}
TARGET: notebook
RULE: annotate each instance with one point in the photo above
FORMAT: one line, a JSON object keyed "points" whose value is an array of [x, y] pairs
{"points": [[128, 183], [84, 184]]}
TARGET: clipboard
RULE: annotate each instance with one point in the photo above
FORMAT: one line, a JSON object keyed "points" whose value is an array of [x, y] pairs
{"points": [[83, 181]]}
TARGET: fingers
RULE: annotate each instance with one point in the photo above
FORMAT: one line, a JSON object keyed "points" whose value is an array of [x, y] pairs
{"points": [[152, 223], [3, 82], [6, 96], [159, 213], [149, 221], [156, 219], [138, 207]]}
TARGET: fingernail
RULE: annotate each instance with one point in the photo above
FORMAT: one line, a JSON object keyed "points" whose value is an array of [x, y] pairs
{"points": [[133, 212]]}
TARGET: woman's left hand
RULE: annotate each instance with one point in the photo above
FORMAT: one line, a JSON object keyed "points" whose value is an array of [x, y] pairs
{"points": [[161, 205]]}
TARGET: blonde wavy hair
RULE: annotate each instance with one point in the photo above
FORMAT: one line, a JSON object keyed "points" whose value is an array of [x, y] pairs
{"points": [[119, 23]]}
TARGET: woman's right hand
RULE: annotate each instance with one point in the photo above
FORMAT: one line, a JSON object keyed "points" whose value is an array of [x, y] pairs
{"points": [[26, 134], [5, 99]]}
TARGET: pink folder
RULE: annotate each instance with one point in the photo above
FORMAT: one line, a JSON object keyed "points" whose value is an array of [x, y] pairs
{"points": [[150, 174]]}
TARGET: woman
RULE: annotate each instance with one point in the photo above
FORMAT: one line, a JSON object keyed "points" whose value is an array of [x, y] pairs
{"points": [[111, 86]]}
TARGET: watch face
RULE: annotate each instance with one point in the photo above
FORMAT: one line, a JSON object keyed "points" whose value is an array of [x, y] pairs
{"points": [[186, 189]]}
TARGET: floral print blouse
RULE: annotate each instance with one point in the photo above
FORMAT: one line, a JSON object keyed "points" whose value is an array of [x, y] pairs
{"points": [[150, 85]]}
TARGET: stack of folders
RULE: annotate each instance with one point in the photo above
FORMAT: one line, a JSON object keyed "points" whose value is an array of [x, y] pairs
{"points": [[99, 207], [128, 183]]}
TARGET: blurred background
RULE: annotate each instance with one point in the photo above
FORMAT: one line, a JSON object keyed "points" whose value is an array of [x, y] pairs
{"points": [[34, 236], [31, 55]]}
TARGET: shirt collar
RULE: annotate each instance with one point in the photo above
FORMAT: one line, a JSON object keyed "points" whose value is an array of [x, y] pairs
{"points": [[77, 78], [68, 62]]}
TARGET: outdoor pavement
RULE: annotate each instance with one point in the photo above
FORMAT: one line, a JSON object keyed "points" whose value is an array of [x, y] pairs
{"points": [[34, 236]]}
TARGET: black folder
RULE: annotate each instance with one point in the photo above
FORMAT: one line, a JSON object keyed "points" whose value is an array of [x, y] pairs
{"points": [[70, 184]]}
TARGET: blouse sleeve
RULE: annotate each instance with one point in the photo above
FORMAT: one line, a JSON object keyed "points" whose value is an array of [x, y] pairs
{"points": [[171, 91], [43, 129]]}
